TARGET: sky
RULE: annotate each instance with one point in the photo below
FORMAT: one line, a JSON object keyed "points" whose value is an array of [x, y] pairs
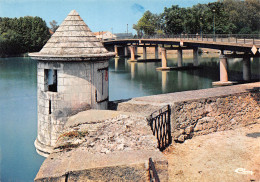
{"points": [[99, 15]]}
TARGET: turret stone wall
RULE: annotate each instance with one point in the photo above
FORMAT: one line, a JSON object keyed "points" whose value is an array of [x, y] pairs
{"points": [[80, 86]]}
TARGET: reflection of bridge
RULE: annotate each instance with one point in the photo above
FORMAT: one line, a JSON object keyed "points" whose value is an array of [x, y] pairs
{"points": [[230, 47]]}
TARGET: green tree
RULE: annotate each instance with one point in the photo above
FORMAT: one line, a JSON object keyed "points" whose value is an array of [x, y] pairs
{"points": [[174, 20], [226, 16], [10, 43], [39, 34], [25, 34], [245, 15], [147, 24]]}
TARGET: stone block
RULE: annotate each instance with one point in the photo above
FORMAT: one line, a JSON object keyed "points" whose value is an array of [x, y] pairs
{"points": [[198, 127], [62, 89], [181, 138], [189, 129]]}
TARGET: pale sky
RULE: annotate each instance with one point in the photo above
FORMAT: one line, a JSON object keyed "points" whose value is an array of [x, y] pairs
{"points": [[99, 15]]}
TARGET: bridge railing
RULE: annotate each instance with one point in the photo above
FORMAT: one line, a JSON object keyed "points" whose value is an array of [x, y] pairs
{"points": [[160, 123], [231, 38]]}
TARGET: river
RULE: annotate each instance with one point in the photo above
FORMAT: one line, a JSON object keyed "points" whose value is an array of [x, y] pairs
{"points": [[19, 161]]}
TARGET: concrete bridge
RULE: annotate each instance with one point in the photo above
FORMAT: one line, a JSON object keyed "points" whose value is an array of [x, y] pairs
{"points": [[230, 47]]}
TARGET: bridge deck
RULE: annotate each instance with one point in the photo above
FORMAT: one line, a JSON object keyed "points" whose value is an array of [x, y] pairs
{"points": [[242, 45]]}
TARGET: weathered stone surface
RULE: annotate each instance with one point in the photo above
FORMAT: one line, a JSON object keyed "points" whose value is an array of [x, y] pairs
{"points": [[107, 131], [78, 89], [79, 165], [73, 40], [101, 145], [206, 110]]}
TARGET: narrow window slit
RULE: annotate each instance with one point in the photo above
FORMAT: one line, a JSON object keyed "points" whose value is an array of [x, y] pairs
{"points": [[49, 106]]}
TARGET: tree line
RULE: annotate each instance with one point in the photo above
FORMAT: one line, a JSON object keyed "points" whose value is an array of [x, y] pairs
{"points": [[22, 35], [221, 17]]}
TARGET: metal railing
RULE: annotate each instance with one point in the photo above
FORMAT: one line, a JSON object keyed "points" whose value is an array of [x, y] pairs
{"points": [[152, 172], [160, 123], [231, 38]]}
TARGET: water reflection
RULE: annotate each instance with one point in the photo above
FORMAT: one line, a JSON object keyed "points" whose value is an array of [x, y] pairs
{"points": [[18, 96], [135, 79], [132, 70], [164, 81], [18, 120], [116, 63]]}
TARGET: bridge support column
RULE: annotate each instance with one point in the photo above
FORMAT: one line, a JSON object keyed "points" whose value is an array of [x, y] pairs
{"points": [[132, 51], [126, 51], [223, 71], [116, 51], [144, 53], [136, 50], [156, 52], [223, 68], [195, 57], [164, 60], [246, 69], [179, 58]]}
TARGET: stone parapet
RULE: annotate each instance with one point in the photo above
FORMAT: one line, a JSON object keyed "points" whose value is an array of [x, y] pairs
{"points": [[204, 111], [104, 146]]}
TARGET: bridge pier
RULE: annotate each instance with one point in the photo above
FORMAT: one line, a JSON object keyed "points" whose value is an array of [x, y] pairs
{"points": [[116, 51], [223, 71], [163, 60], [144, 53], [223, 68], [132, 52], [156, 52], [126, 51], [195, 57], [246, 68], [179, 57]]}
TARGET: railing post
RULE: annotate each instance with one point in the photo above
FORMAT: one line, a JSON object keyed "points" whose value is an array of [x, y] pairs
{"points": [[169, 125]]}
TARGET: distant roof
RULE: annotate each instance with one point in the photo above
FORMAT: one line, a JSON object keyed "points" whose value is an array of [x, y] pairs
{"points": [[123, 34], [73, 40], [100, 33], [51, 32]]}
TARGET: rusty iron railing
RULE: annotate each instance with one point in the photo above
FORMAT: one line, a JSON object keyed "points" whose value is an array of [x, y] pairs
{"points": [[160, 122], [152, 172]]}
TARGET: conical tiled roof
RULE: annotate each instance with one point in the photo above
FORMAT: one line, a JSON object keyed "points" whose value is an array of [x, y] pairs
{"points": [[73, 40]]}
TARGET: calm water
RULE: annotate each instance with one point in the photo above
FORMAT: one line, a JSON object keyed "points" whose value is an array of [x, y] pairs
{"points": [[18, 100]]}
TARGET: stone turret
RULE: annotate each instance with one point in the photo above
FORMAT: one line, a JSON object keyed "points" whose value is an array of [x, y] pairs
{"points": [[72, 76]]}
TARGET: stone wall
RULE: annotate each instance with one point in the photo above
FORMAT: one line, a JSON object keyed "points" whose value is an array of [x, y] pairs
{"points": [[104, 146], [78, 89], [204, 111], [204, 116]]}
